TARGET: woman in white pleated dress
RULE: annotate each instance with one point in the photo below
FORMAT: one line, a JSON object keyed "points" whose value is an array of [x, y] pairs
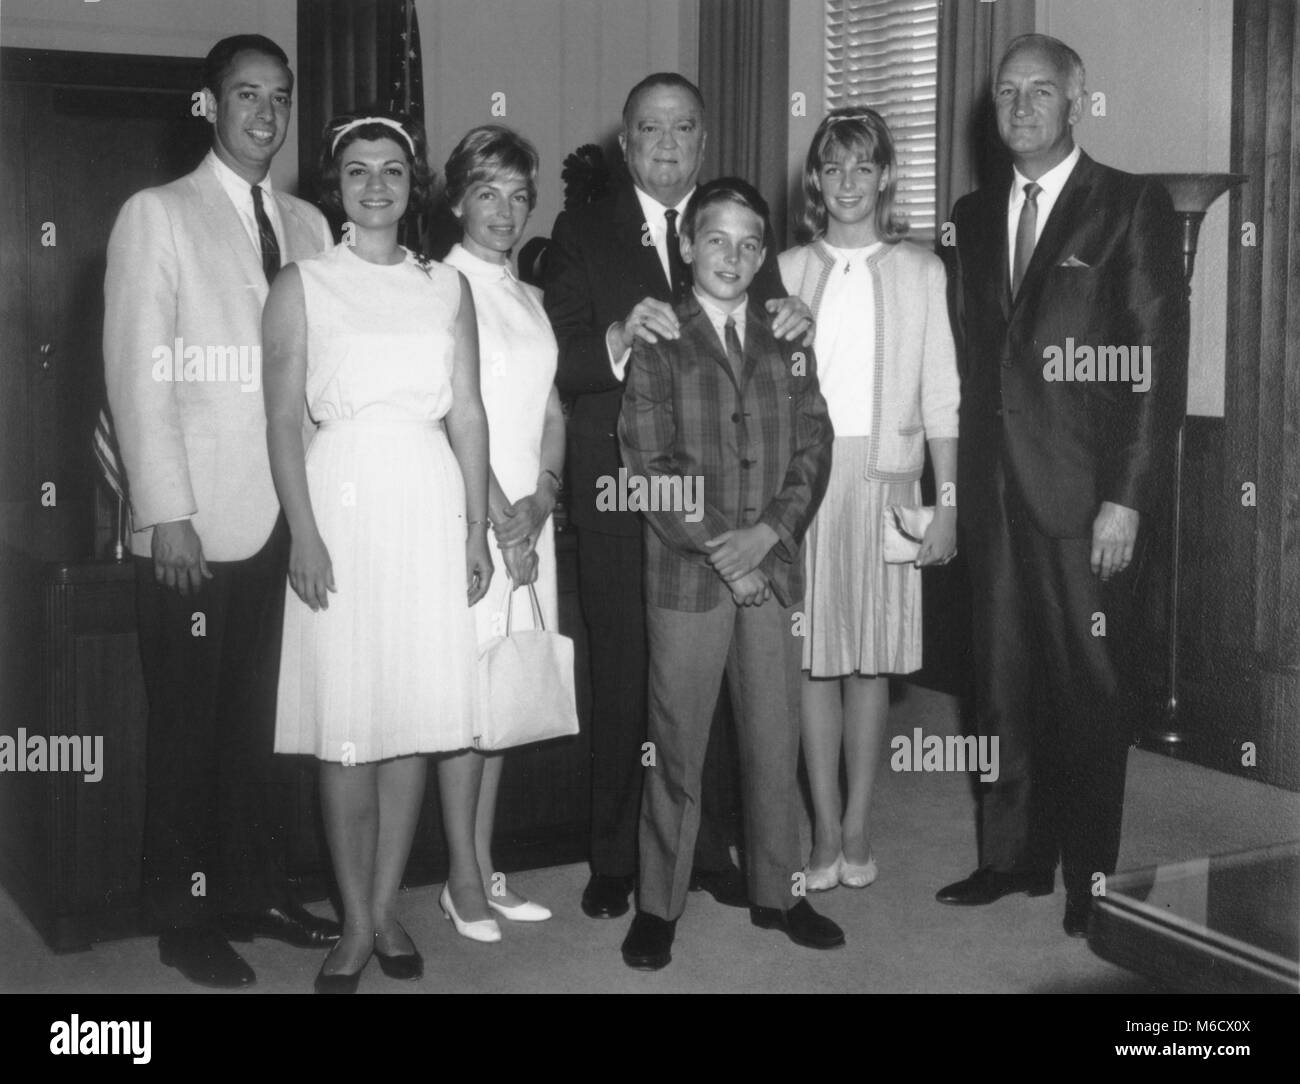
{"points": [[886, 363], [491, 187], [388, 516]]}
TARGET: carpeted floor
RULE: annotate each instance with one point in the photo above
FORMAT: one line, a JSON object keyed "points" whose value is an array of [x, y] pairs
{"points": [[899, 939]]}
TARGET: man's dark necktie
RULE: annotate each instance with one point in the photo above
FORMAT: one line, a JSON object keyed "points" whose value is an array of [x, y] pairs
{"points": [[266, 236], [1025, 231], [676, 265], [735, 356]]}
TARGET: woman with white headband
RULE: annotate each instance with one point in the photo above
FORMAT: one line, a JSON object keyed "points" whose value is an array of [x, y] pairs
{"points": [[388, 516]]}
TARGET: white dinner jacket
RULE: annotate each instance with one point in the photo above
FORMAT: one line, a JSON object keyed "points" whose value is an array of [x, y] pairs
{"points": [[183, 294]]}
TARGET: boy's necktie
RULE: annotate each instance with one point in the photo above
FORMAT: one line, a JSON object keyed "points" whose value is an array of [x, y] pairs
{"points": [[1025, 230], [266, 235], [735, 357]]}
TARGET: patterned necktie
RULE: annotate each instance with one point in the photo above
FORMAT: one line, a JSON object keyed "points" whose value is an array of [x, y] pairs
{"points": [[676, 265], [735, 357], [266, 235], [1025, 231]]}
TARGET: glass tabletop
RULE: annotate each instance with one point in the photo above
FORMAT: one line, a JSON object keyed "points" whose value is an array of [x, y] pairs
{"points": [[1245, 903]]}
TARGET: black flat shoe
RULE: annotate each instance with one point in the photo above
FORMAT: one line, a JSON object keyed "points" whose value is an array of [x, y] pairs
{"points": [[986, 885], [405, 965], [291, 923], [606, 896], [205, 957], [1078, 909], [801, 924], [726, 886], [341, 982], [649, 941]]}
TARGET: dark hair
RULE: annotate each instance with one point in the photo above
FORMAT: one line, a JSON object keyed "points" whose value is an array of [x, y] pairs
{"points": [[221, 58], [483, 153], [851, 129], [727, 190], [660, 79], [1065, 60], [423, 179]]}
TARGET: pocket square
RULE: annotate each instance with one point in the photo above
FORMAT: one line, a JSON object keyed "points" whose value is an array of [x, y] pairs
{"points": [[1074, 261]]}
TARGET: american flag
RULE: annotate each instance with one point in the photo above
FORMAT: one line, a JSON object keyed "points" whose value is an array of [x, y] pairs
{"points": [[110, 465]]}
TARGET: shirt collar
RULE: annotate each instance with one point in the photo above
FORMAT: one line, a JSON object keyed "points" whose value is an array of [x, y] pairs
{"points": [[235, 185], [719, 316], [654, 210], [1050, 182]]}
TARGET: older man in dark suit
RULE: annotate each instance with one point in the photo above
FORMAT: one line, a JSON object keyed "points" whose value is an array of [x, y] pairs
{"points": [[614, 270], [1072, 333]]}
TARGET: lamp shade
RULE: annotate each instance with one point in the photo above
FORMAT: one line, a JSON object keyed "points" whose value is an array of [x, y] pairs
{"points": [[1193, 193]]}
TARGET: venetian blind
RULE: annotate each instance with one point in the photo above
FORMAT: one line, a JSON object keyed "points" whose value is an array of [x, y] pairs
{"points": [[884, 54]]}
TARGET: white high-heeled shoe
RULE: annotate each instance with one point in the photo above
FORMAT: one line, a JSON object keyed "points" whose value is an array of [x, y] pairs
{"points": [[483, 929], [820, 880], [855, 876], [528, 911]]}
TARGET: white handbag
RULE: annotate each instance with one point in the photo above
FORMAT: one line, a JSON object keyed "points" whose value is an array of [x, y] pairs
{"points": [[905, 527], [526, 684]]}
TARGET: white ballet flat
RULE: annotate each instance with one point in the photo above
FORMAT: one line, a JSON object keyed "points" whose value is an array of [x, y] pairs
{"points": [[855, 876], [485, 929], [528, 911], [820, 880]]}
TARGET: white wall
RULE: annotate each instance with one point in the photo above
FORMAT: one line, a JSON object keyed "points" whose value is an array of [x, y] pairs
{"points": [[563, 67], [1165, 67], [157, 28]]}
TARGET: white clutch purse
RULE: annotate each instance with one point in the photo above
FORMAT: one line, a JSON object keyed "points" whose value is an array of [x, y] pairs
{"points": [[904, 529]]}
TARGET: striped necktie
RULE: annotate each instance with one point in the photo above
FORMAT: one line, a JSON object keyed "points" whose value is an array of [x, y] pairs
{"points": [[266, 236]]}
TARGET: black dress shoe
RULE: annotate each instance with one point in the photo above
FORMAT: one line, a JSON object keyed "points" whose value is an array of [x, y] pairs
{"points": [[726, 886], [801, 924], [405, 965], [290, 923], [606, 896], [986, 885], [205, 957], [1078, 909], [649, 941]]}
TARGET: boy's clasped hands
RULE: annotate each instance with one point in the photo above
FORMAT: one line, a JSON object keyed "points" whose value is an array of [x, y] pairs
{"points": [[736, 556]]}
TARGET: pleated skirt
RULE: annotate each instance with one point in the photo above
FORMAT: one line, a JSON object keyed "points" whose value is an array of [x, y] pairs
{"points": [[863, 616], [390, 669]]}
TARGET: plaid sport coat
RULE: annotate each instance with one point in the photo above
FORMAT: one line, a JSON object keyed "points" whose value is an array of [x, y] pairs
{"points": [[753, 451]]}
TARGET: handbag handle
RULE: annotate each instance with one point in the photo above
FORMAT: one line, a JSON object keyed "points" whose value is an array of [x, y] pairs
{"points": [[537, 606]]}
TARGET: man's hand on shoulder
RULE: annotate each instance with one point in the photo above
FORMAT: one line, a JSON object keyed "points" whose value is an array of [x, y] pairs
{"points": [[791, 318], [1114, 534], [649, 319], [178, 557]]}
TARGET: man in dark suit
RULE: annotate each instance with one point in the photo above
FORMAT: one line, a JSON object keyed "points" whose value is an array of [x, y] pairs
{"points": [[1072, 332], [188, 269], [613, 271]]}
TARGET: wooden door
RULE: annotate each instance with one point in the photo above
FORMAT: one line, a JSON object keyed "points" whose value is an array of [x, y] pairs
{"points": [[81, 132]]}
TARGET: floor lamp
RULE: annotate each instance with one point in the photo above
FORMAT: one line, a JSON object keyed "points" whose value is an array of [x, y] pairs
{"points": [[1192, 193]]}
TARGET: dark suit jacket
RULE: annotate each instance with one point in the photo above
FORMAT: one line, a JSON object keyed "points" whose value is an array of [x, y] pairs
{"points": [[1068, 446], [760, 447], [596, 270]]}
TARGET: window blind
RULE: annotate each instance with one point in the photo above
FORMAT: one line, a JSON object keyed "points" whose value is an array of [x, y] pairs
{"points": [[884, 54]]}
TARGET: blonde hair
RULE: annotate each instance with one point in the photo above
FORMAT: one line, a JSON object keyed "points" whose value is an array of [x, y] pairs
{"points": [[856, 130]]}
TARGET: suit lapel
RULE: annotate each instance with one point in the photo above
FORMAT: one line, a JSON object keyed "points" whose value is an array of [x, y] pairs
{"points": [[634, 236], [230, 240], [300, 239], [1060, 225]]}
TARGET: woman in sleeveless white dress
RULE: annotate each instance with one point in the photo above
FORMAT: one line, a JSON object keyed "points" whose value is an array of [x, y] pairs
{"points": [[491, 181], [387, 516]]}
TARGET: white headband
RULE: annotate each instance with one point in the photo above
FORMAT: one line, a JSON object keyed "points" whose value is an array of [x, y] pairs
{"points": [[372, 120]]}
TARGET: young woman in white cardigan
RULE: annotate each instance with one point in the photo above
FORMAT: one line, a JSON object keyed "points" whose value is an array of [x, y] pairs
{"points": [[886, 363]]}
